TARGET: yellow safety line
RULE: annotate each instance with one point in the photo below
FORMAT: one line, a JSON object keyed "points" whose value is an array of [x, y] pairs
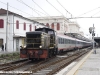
{"points": [[82, 63], [79, 65]]}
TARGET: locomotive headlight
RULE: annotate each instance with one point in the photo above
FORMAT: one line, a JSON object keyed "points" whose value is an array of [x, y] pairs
{"points": [[40, 46], [24, 47]]}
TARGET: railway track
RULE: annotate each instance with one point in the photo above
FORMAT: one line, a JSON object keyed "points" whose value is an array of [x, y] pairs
{"points": [[51, 67], [13, 62], [46, 67], [13, 65]]}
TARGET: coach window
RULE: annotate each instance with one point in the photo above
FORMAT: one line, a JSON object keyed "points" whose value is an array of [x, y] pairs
{"points": [[76, 42], [59, 40], [72, 41], [68, 41], [65, 41]]}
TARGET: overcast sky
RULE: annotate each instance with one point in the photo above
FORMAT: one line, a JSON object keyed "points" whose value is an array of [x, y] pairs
{"points": [[75, 7]]}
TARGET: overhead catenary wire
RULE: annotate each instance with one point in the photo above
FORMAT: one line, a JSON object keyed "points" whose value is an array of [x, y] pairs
{"points": [[43, 10], [96, 13], [36, 11], [83, 17], [29, 7], [40, 7], [16, 8], [88, 11], [32, 8], [64, 8], [54, 7]]}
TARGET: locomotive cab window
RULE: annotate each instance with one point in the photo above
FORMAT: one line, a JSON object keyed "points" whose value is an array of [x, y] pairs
{"points": [[50, 32]]}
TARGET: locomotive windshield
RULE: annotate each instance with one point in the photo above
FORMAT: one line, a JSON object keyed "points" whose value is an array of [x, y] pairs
{"points": [[46, 30], [50, 32]]}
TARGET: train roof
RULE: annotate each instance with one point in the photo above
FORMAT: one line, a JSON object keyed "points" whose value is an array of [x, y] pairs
{"points": [[70, 38], [38, 29], [34, 32]]}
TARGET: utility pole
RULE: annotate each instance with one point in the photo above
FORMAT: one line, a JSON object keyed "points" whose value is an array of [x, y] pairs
{"points": [[7, 30], [93, 34]]}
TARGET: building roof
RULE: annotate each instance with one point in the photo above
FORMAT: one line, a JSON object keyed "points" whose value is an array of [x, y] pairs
{"points": [[49, 18], [4, 12]]}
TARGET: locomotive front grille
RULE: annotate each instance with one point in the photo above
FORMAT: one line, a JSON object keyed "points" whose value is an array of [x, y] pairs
{"points": [[34, 41]]}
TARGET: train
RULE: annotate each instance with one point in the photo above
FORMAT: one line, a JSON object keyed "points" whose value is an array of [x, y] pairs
{"points": [[45, 43]]}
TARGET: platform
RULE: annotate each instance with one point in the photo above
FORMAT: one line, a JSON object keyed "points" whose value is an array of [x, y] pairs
{"points": [[89, 65]]}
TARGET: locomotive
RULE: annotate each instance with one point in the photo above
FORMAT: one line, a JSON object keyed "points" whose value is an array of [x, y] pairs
{"points": [[40, 43], [44, 43]]}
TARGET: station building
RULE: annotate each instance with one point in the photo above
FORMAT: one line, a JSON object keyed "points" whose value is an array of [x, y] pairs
{"points": [[12, 34], [60, 24]]}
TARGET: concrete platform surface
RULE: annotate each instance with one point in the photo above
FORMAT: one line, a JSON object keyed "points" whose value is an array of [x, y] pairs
{"points": [[89, 65]]}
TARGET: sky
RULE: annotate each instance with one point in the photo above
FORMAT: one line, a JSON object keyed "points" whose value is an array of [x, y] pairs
{"points": [[78, 8]]}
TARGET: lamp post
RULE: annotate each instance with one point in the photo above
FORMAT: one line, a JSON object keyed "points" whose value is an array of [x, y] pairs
{"points": [[91, 30], [6, 45]]}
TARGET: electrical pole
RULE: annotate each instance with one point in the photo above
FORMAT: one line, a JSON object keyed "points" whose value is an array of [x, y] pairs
{"points": [[93, 34], [7, 30]]}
